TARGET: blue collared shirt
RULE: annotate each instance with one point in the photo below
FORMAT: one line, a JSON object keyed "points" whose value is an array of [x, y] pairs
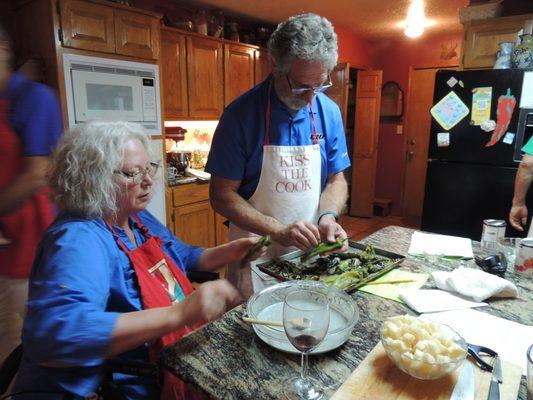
{"points": [[237, 148], [80, 284], [35, 115]]}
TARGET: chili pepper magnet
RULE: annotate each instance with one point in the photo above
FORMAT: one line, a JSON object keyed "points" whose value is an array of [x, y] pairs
{"points": [[504, 113]]}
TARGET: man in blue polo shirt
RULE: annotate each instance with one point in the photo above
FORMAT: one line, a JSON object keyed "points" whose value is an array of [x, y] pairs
{"points": [[30, 126], [524, 177], [279, 150]]}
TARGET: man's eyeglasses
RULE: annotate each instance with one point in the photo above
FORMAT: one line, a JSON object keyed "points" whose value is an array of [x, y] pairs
{"points": [[137, 176], [298, 90]]}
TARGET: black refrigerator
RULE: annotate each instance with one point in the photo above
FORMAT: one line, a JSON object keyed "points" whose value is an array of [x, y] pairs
{"points": [[468, 182]]}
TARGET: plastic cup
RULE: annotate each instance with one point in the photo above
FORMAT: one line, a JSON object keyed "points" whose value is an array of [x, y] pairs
{"points": [[507, 246]]}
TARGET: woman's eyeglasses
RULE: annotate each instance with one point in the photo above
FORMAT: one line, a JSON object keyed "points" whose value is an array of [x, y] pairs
{"points": [[299, 90], [137, 176]]}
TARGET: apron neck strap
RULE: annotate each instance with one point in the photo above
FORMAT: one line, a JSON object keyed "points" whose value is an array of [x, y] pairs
{"points": [[144, 230], [314, 135]]}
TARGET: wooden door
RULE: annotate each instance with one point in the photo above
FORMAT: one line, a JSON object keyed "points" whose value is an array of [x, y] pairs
{"points": [[194, 224], [366, 134], [238, 71], [137, 35], [482, 38], [262, 66], [416, 131], [174, 75], [205, 78], [87, 26], [340, 77]]}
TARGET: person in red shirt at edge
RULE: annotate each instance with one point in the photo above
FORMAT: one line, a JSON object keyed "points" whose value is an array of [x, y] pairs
{"points": [[30, 126]]}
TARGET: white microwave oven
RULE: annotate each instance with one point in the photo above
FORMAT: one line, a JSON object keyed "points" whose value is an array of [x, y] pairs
{"points": [[108, 89]]}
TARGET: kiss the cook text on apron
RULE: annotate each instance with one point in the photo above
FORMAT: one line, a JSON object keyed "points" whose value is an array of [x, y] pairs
{"points": [[288, 190]]}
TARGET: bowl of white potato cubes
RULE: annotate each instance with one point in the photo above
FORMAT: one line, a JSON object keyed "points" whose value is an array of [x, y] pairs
{"points": [[422, 348]]}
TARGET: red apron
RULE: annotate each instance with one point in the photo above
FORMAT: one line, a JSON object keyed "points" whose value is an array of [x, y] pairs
{"points": [[157, 275], [26, 224]]}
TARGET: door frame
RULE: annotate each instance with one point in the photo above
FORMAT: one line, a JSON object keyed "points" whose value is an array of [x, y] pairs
{"points": [[407, 112]]}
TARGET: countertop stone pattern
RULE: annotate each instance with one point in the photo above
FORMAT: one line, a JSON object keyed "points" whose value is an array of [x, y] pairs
{"points": [[228, 361]]}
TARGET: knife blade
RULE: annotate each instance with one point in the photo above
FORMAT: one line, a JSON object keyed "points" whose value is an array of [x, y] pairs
{"points": [[497, 370], [496, 379], [465, 388]]}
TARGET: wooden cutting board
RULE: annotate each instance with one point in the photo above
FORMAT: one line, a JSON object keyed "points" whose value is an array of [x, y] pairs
{"points": [[378, 378]]}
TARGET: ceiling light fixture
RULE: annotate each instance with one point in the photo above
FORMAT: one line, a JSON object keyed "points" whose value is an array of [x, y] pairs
{"points": [[416, 22]]}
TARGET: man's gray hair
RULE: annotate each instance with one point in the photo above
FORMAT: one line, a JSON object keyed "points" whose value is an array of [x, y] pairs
{"points": [[84, 162], [306, 37]]}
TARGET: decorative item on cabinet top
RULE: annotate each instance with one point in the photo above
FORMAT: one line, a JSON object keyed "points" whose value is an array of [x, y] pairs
{"points": [[391, 100], [487, 10], [522, 56]]}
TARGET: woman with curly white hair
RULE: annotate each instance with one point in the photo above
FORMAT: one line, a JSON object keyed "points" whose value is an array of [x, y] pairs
{"points": [[279, 150], [108, 279]]}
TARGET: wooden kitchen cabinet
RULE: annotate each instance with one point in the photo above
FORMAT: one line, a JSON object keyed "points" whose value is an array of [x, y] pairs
{"points": [[87, 25], [262, 65], [136, 35], [191, 218], [91, 25], [238, 71], [481, 38], [194, 223], [205, 77], [174, 75]]}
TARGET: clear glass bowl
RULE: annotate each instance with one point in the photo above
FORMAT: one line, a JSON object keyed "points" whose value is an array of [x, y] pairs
{"points": [[427, 370], [268, 305]]}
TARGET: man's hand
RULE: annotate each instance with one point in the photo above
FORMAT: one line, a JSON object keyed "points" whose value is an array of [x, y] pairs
{"points": [[302, 234], [518, 217], [331, 231], [209, 302]]}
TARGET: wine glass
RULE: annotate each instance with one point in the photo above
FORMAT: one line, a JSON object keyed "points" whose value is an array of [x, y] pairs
{"points": [[306, 322]]}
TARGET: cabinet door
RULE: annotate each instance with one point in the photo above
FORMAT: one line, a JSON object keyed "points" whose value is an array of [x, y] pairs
{"points": [[262, 66], [194, 224], [221, 230], [174, 75], [205, 78], [339, 91], [238, 71], [87, 26], [137, 35], [482, 37]]}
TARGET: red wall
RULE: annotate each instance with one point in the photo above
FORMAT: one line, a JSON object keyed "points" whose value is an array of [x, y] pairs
{"points": [[356, 51], [395, 57]]}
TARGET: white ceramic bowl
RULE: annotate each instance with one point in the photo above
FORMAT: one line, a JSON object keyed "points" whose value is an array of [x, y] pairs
{"points": [[268, 305], [423, 369]]}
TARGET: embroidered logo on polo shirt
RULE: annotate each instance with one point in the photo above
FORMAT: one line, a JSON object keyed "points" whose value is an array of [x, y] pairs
{"points": [[320, 136]]}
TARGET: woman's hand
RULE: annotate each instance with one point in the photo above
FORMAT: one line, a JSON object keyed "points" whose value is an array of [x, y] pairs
{"points": [[209, 302], [238, 249]]}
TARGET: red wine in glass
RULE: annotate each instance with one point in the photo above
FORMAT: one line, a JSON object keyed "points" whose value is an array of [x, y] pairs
{"points": [[304, 343]]}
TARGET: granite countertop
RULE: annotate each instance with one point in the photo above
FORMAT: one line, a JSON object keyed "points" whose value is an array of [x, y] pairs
{"points": [[226, 360]]}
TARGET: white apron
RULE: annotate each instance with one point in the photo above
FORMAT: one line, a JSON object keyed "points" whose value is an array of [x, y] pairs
{"points": [[289, 190]]}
